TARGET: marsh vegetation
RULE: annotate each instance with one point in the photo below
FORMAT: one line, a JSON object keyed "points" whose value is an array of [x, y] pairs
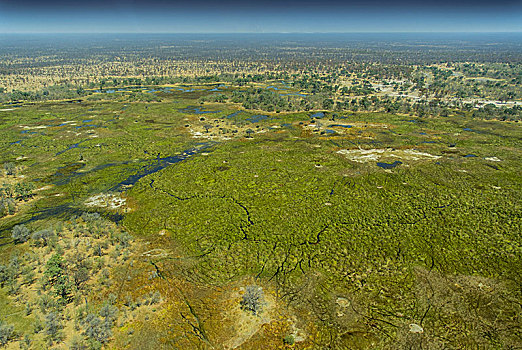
{"points": [[345, 201]]}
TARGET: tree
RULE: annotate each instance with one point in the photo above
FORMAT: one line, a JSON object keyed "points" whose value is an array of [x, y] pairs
{"points": [[55, 274], [10, 169], [77, 343], [97, 329], [53, 325], [6, 333], [328, 104], [20, 233], [253, 299], [7, 206], [24, 190], [41, 237]]}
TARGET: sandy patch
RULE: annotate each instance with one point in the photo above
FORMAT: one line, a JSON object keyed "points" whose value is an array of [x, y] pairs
{"points": [[106, 200], [248, 324], [368, 155], [34, 127]]}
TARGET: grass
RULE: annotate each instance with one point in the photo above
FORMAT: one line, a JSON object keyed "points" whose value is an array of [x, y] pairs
{"points": [[354, 253]]}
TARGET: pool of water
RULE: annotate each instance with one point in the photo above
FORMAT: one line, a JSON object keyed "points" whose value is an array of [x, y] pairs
{"points": [[90, 126], [257, 118], [294, 94], [105, 91], [195, 110], [233, 114], [389, 165]]}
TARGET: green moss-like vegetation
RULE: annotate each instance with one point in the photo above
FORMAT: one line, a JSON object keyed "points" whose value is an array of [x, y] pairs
{"points": [[422, 254]]}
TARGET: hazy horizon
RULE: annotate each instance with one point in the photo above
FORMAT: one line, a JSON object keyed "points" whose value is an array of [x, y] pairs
{"points": [[264, 16]]}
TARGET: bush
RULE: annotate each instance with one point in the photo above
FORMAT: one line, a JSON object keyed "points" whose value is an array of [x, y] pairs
{"points": [[6, 333], [10, 168], [4, 275], [20, 233], [97, 329], [53, 325], [289, 339], [42, 237], [7, 206], [253, 299]]}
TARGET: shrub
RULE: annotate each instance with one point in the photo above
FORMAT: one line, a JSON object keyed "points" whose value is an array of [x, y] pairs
{"points": [[42, 237], [20, 233], [6, 333], [97, 329], [10, 168], [289, 339], [53, 325], [253, 299]]}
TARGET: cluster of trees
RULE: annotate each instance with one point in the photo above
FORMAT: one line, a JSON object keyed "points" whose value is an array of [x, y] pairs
{"points": [[6, 333], [12, 194], [263, 99], [65, 258], [54, 92]]}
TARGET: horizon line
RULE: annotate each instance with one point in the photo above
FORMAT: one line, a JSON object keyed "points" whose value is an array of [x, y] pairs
{"points": [[351, 32]]}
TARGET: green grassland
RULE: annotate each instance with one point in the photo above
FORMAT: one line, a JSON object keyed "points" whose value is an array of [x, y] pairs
{"points": [[355, 255]]}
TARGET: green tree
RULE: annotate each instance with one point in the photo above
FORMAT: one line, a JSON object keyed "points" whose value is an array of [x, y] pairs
{"points": [[20, 233], [56, 277]]}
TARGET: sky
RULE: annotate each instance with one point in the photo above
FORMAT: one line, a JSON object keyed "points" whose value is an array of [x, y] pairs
{"points": [[260, 16]]}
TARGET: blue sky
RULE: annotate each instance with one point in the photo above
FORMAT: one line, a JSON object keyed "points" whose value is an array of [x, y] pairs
{"points": [[233, 16]]}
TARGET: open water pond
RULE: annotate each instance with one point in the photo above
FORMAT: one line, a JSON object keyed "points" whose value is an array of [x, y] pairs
{"points": [[389, 165]]}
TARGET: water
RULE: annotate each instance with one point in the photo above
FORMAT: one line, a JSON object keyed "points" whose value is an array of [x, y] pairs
{"points": [[470, 156], [294, 94], [257, 118], [90, 126], [329, 131], [75, 145], [388, 165], [233, 114], [157, 165], [195, 110], [317, 115], [105, 91], [342, 126], [64, 179]]}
